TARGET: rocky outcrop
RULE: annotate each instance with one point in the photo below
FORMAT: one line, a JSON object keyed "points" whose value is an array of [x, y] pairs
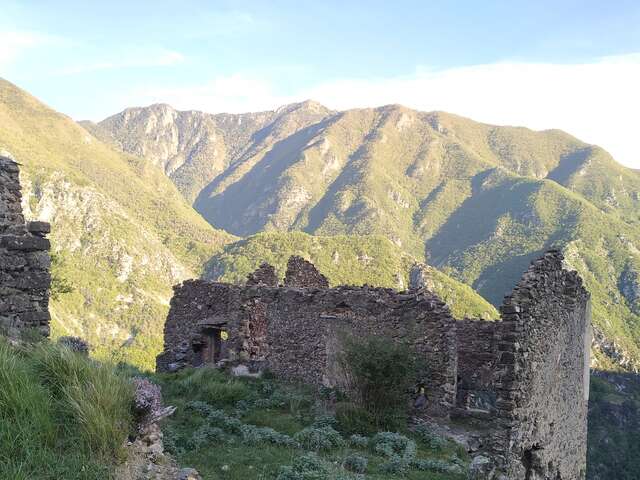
{"points": [[629, 286], [146, 458]]}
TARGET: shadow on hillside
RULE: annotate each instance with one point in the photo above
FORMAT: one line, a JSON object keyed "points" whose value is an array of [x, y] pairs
{"points": [[244, 207], [569, 164]]}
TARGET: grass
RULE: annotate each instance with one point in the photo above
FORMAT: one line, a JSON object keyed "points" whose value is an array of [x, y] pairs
{"points": [[62, 415], [250, 429]]}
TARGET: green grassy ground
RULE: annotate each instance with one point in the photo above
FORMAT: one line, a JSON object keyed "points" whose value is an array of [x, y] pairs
{"points": [[232, 429], [62, 415]]}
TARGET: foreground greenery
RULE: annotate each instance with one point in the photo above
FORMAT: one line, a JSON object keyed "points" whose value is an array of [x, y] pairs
{"points": [[233, 429], [62, 415], [122, 235]]}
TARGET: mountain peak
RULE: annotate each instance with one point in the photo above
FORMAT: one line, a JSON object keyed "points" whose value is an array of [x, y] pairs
{"points": [[307, 105]]}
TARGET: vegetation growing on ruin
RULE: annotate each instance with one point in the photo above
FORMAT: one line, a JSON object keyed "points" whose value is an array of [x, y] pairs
{"points": [[243, 428], [381, 375]]}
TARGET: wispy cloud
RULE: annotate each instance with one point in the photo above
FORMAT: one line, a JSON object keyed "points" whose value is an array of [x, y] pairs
{"points": [[15, 43], [140, 59], [596, 101]]}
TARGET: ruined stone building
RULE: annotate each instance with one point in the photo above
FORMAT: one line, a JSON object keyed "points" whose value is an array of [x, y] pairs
{"points": [[525, 377], [24, 261]]}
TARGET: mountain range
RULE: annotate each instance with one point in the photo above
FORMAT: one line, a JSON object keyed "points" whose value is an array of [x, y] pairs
{"points": [[477, 202], [151, 196]]}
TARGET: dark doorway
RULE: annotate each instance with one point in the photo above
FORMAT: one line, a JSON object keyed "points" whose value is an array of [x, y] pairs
{"points": [[214, 348]]}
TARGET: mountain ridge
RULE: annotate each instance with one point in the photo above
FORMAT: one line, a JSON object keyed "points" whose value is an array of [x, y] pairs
{"points": [[475, 200]]}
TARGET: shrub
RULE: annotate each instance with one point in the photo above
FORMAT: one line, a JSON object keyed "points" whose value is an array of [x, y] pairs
{"points": [[436, 466], [400, 450], [253, 435], [324, 421], [359, 441], [430, 439], [380, 373], [310, 467], [394, 444], [75, 344], [305, 467], [351, 418], [396, 465], [355, 463], [323, 438], [205, 434]]}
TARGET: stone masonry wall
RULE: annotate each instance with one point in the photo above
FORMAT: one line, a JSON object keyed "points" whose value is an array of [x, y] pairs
{"points": [[476, 348], [542, 377], [24, 261], [298, 332], [526, 376]]}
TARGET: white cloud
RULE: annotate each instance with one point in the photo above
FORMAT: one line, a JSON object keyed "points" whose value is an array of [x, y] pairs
{"points": [[597, 102], [142, 59], [14, 43]]}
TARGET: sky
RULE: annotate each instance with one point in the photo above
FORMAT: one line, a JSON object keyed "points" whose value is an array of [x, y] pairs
{"points": [[568, 64]]}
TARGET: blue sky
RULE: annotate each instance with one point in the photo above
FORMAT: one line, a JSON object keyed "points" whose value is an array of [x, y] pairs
{"points": [[568, 64]]}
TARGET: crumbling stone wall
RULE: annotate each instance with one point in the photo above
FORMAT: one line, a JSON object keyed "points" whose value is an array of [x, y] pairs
{"points": [[24, 261], [298, 332], [526, 376], [542, 376], [301, 273]]}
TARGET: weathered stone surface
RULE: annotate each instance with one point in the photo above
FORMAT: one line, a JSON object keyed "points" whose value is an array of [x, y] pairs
{"points": [[24, 261], [301, 273], [264, 275], [418, 276], [39, 228], [298, 331]]}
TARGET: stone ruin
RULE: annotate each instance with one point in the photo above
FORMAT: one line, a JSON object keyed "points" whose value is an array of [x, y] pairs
{"points": [[523, 379], [24, 261]]}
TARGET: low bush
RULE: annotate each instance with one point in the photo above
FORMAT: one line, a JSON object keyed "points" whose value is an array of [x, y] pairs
{"points": [[435, 465], [310, 467], [306, 467], [380, 374], [206, 434], [355, 463], [430, 439], [351, 418], [253, 435], [324, 438], [359, 441], [393, 444], [325, 421]]}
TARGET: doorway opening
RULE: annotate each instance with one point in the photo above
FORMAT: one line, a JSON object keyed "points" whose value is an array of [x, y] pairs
{"points": [[214, 348]]}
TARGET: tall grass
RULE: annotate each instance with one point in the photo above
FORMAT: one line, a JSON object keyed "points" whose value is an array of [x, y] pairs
{"points": [[62, 415]]}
